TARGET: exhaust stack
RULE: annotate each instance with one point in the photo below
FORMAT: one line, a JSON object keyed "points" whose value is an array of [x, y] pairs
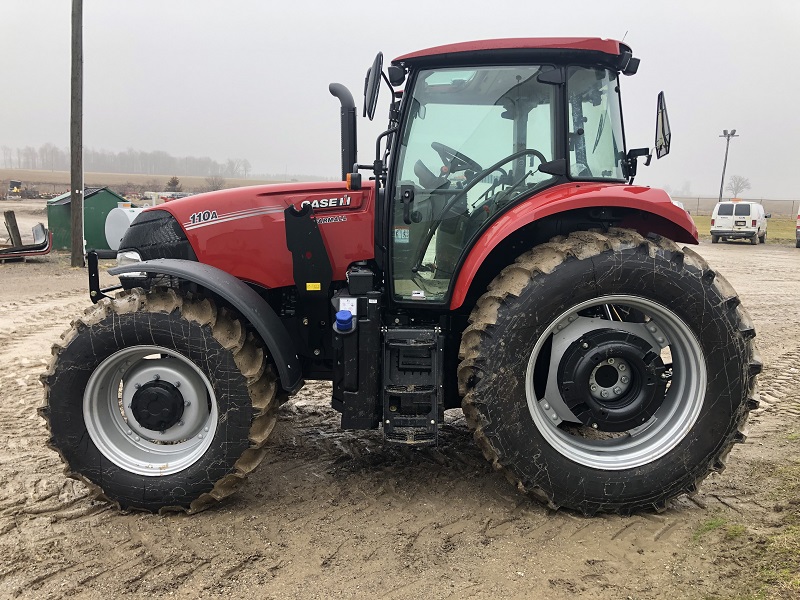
{"points": [[348, 117]]}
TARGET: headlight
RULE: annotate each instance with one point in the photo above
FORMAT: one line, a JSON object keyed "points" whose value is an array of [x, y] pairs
{"points": [[129, 257]]}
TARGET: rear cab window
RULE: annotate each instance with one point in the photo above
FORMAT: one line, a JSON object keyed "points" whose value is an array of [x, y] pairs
{"points": [[725, 210], [742, 210]]}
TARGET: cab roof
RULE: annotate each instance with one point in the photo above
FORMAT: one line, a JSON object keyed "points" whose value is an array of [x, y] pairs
{"points": [[519, 50]]}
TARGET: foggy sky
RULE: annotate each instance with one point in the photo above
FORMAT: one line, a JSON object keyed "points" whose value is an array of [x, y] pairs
{"points": [[249, 78]]}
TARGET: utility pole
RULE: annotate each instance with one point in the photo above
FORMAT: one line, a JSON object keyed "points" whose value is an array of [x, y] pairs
{"points": [[727, 137], [76, 135]]}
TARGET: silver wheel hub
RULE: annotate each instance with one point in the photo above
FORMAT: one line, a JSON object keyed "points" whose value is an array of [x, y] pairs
{"points": [[667, 360], [150, 410]]}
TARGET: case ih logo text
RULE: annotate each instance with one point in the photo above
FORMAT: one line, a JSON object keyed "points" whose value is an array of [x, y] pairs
{"points": [[327, 202]]}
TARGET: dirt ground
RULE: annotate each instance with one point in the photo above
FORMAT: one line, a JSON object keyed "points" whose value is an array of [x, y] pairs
{"points": [[333, 514]]}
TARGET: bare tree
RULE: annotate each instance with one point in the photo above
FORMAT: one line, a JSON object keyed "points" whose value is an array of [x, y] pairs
{"points": [[215, 183], [233, 167], [246, 168], [7, 161], [153, 185], [737, 185]]}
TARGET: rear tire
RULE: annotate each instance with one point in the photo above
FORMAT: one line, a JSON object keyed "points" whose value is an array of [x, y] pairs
{"points": [[763, 238], [524, 360], [159, 402], [754, 239], [714, 239]]}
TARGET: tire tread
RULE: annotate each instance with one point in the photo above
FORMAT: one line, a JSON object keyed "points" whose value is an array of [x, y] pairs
{"points": [[544, 259]]}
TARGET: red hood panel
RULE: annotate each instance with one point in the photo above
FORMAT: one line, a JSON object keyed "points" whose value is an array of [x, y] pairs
{"points": [[242, 231]]}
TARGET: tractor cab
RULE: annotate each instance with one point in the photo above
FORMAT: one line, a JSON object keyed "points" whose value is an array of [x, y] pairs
{"points": [[482, 127]]}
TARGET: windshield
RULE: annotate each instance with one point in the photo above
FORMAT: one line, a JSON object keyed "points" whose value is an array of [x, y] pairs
{"points": [[472, 144], [596, 143]]}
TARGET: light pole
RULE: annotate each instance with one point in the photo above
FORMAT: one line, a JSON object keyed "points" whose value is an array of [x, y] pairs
{"points": [[727, 137]]}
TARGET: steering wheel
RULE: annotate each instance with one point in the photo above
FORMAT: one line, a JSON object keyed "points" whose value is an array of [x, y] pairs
{"points": [[477, 178], [453, 160]]}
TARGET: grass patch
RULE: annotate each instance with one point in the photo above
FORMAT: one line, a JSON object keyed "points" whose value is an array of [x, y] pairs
{"points": [[779, 228], [734, 531], [779, 559], [730, 531], [712, 524]]}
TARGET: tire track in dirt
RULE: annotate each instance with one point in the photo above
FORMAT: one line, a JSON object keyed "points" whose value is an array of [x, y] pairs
{"points": [[779, 390], [27, 326], [779, 385]]}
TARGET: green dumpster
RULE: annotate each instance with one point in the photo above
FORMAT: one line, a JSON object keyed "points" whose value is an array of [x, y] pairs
{"points": [[97, 203]]}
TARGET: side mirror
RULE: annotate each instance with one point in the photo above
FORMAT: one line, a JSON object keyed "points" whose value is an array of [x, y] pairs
{"points": [[768, 215], [663, 133], [372, 84], [397, 75]]}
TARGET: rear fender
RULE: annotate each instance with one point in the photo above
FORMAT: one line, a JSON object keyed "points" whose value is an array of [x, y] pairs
{"points": [[649, 211], [244, 299]]}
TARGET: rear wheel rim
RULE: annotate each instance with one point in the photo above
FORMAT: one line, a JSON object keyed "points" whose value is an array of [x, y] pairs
{"points": [[677, 411], [127, 442]]}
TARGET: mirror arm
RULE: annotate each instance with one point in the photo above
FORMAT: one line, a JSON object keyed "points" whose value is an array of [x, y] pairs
{"points": [[630, 162]]}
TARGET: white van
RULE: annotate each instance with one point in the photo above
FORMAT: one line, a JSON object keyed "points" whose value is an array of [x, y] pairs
{"points": [[739, 219]]}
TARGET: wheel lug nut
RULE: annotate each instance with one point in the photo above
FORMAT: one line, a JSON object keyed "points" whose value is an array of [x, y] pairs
{"points": [[611, 361], [177, 384], [617, 390], [137, 385], [187, 403], [180, 422], [623, 379], [594, 425], [546, 406], [622, 367], [584, 345], [593, 388], [604, 394]]}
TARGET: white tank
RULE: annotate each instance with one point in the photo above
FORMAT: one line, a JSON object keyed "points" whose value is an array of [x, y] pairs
{"points": [[117, 223]]}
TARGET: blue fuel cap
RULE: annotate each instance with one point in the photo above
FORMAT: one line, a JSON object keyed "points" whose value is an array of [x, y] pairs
{"points": [[344, 320]]}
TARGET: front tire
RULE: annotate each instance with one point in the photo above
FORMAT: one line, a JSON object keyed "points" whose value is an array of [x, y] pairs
{"points": [[159, 402], [608, 373]]}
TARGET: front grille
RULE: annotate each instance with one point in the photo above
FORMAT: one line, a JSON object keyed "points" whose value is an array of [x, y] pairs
{"points": [[157, 234]]}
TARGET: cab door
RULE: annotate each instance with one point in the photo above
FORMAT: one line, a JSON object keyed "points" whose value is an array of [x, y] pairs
{"points": [[724, 216]]}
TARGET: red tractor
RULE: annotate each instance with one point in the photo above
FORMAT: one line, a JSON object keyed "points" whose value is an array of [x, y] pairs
{"points": [[499, 259]]}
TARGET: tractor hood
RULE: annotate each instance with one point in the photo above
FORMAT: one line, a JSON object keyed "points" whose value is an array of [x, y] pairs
{"points": [[242, 230]]}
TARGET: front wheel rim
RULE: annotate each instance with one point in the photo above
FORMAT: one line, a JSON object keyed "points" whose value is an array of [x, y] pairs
{"points": [[675, 415], [130, 444]]}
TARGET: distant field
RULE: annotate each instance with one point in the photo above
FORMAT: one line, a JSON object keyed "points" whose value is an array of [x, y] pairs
{"points": [[779, 228], [57, 182]]}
